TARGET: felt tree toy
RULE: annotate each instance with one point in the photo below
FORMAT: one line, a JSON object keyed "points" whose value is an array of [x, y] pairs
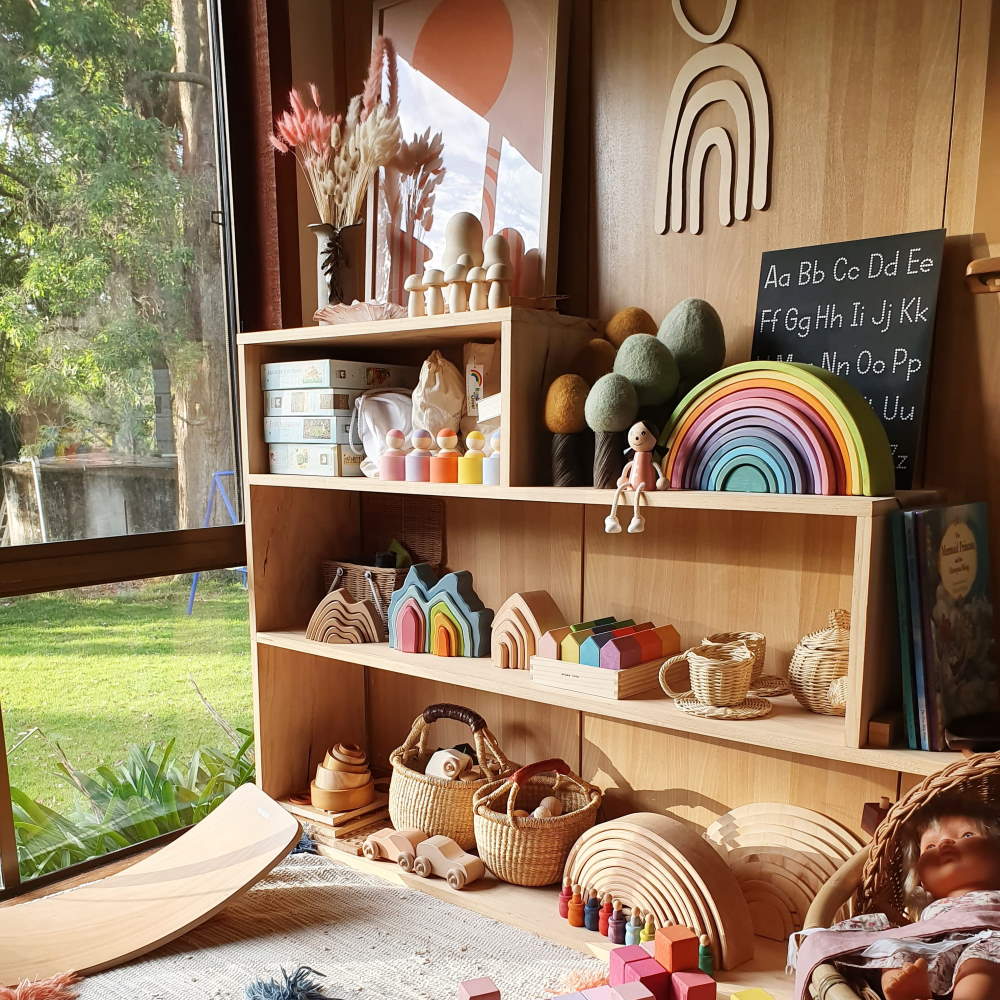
{"points": [[627, 321], [650, 366], [564, 418], [611, 408], [594, 359], [693, 332]]}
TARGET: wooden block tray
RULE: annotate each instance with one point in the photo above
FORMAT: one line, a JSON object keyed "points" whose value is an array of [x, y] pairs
{"points": [[614, 684]]}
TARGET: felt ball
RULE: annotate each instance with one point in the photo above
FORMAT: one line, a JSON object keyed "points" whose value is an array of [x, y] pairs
{"points": [[564, 405], [693, 332], [611, 404], [627, 321], [553, 805], [594, 359], [650, 366]]}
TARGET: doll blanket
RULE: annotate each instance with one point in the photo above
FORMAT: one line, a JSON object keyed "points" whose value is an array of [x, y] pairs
{"points": [[827, 945]]}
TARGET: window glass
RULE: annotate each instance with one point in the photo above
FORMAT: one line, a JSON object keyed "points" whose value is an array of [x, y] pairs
{"points": [[115, 403], [125, 717]]}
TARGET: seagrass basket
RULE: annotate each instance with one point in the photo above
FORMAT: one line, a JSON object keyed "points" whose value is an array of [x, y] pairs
{"points": [[875, 878], [818, 664], [715, 673], [419, 801], [756, 642], [523, 850]]}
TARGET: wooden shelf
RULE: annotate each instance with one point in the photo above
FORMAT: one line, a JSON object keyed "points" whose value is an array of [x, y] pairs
{"points": [[675, 499], [790, 728], [535, 910]]}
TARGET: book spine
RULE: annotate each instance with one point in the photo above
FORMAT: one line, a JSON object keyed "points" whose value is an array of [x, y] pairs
{"points": [[905, 632], [916, 632], [932, 668]]}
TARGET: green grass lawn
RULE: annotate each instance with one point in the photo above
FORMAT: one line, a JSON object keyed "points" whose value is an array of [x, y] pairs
{"points": [[99, 670]]}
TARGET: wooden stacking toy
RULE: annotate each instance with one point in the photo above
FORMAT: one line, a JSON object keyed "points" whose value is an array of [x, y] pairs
{"points": [[442, 615], [444, 464], [343, 781], [392, 461], [470, 465], [607, 657], [679, 980], [339, 619], [519, 624], [418, 462]]}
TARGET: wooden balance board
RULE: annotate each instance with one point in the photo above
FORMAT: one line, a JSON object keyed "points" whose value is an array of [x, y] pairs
{"points": [[659, 864], [112, 920]]}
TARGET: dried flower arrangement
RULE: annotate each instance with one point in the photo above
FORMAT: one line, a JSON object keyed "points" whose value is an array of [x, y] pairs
{"points": [[339, 156], [410, 179]]}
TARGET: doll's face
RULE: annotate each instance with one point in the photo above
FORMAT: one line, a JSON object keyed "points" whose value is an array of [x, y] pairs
{"points": [[956, 857], [640, 439]]}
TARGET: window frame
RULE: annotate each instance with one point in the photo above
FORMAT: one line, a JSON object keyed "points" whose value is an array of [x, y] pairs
{"points": [[53, 566]]}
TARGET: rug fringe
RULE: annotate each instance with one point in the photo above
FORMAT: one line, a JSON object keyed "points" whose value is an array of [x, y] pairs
{"points": [[57, 988]]}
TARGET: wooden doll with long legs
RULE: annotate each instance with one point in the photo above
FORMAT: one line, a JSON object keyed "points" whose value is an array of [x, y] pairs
{"points": [[640, 474]]}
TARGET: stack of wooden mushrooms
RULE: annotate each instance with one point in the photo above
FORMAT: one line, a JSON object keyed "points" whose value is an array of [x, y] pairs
{"points": [[343, 781]]}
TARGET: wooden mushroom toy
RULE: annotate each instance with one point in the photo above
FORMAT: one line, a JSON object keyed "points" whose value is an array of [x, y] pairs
{"points": [[496, 251], [415, 302], [500, 276], [433, 282], [463, 235], [458, 290], [478, 288]]}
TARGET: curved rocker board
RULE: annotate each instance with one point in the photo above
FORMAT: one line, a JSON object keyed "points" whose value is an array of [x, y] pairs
{"points": [[834, 401], [112, 920], [788, 460]]}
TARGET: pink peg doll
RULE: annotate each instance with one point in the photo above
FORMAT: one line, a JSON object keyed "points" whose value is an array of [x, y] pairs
{"points": [[640, 474], [952, 855]]}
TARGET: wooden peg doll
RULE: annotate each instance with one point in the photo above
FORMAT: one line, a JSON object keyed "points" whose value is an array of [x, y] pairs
{"points": [[491, 464], [444, 465], [634, 927], [470, 465], [564, 897], [616, 924], [640, 474], [649, 930], [392, 461], [418, 461], [576, 908], [605, 915], [592, 912]]}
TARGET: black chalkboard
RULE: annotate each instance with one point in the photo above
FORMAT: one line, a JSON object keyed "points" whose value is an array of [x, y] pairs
{"points": [[863, 310]]}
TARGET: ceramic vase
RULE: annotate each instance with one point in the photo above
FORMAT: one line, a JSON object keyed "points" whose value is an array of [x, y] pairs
{"points": [[339, 262]]}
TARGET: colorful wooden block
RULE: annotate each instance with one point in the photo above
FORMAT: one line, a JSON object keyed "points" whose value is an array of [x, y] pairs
{"points": [[652, 975], [550, 644], [478, 989], [622, 957], [518, 626], [677, 948], [691, 986], [754, 993], [631, 991], [576, 638], [590, 651], [583, 626], [600, 993], [640, 647]]}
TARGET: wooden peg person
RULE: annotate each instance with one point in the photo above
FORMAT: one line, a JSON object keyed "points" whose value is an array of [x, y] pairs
{"points": [[565, 895], [392, 461], [592, 912], [706, 960], [576, 908], [433, 282], [415, 302], [634, 927], [444, 465], [418, 461], [648, 931], [491, 464], [605, 915], [616, 924]]}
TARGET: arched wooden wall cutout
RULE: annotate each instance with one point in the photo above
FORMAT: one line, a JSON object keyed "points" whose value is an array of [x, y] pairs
{"points": [[730, 93], [719, 138], [700, 36], [726, 56]]}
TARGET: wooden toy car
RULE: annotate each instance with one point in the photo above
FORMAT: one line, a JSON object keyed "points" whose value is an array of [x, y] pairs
{"points": [[393, 845], [441, 856]]}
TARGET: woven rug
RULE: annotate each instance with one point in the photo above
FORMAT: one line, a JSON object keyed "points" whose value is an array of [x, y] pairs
{"points": [[372, 941]]}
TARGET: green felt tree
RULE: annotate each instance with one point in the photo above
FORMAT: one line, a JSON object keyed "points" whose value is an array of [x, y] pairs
{"points": [[110, 264]]}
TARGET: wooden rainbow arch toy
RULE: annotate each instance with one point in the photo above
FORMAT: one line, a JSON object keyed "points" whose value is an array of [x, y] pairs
{"points": [[777, 427]]}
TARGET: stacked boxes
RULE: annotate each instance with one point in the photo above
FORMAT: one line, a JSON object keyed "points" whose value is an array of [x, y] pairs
{"points": [[307, 412]]}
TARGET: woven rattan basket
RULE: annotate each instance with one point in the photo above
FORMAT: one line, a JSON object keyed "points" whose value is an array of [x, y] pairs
{"points": [[756, 642], [715, 673], [819, 660], [417, 522], [418, 801], [523, 850]]}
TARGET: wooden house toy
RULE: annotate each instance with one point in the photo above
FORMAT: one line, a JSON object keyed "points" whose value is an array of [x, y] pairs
{"points": [[440, 616]]}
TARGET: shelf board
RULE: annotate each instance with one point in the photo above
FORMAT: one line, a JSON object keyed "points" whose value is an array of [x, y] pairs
{"points": [[792, 503], [535, 910], [790, 728]]}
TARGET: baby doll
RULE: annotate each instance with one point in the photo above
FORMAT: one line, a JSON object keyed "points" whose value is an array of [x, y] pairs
{"points": [[640, 474], [952, 853]]}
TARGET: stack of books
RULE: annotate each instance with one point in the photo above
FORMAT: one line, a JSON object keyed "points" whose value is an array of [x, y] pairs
{"points": [[942, 570], [307, 412]]}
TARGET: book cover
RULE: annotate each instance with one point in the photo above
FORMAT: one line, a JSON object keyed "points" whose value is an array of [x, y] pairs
{"points": [[957, 614], [905, 629], [916, 631]]}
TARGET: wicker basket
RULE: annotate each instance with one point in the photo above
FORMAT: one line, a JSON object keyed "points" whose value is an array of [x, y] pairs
{"points": [[523, 850], [418, 801], [715, 673], [418, 522], [756, 642], [819, 660]]}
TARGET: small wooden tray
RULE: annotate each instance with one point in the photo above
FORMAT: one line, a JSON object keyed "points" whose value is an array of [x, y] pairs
{"points": [[617, 684], [307, 812]]}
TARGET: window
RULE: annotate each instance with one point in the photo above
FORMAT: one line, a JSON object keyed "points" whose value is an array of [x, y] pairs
{"points": [[118, 474]]}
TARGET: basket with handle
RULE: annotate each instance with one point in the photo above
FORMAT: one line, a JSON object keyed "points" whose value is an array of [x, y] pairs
{"points": [[818, 665], [715, 673], [419, 801], [523, 850]]}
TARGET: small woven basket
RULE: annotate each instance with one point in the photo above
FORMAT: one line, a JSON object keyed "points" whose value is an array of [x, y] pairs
{"points": [[819, 662], [523, 850], [419, 801], [715, 673], [756, 642]]}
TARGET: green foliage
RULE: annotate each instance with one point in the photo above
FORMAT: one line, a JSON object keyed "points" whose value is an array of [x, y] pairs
{"points": [[94, 194], [148, 794]]}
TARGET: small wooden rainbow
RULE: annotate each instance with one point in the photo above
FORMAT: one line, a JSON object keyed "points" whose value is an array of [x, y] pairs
{"points": [[777, 427]]}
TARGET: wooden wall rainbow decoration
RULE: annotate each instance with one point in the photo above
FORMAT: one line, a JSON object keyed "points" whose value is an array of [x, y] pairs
{"points": [[441, 616], [773, 427]]}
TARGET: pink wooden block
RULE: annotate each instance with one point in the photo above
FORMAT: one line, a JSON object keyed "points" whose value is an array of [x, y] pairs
{"points": [[652, 975], [691, 986], [478, 989], [620, 958], [600, 993], [631, 991], [550, 644], [410, 628], [621, 653]]}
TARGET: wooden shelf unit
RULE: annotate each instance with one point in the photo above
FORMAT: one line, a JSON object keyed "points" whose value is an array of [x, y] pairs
{"points": [[707, 562]]}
